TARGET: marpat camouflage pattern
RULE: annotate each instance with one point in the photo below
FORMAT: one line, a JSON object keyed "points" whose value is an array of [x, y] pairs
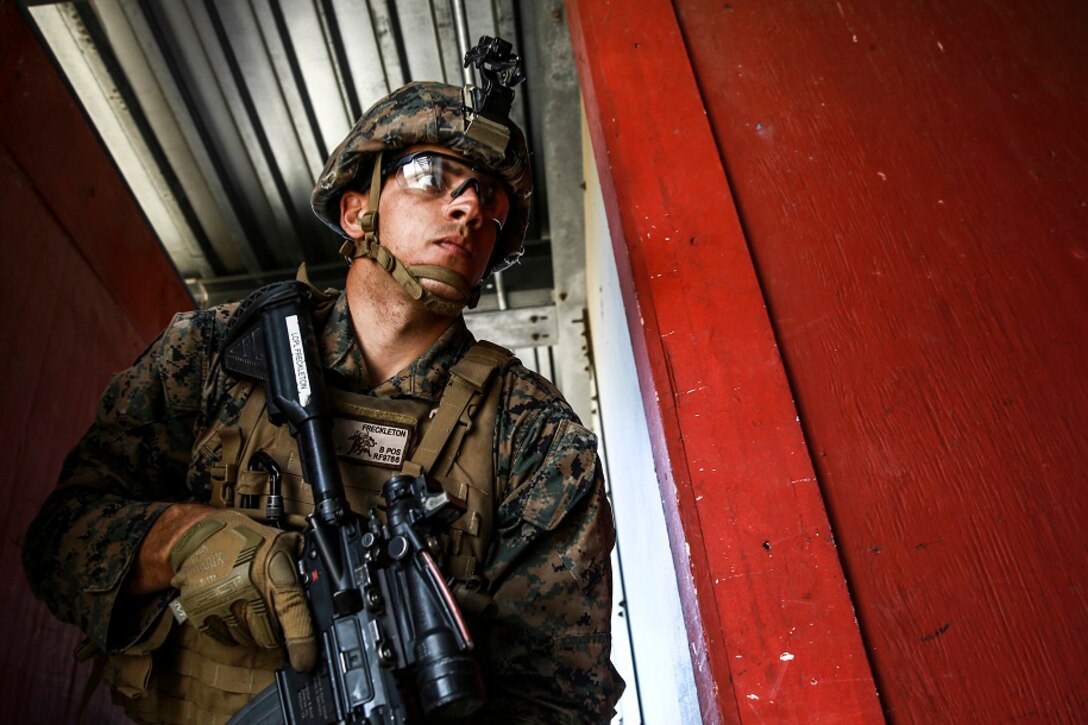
{"points": [[544, 649]]}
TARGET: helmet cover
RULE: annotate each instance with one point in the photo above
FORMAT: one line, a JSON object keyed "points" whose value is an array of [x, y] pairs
{"points": [[426, 113]]}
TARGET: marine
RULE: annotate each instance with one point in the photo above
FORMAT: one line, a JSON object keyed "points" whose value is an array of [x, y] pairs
{"points": [[170, 486]]}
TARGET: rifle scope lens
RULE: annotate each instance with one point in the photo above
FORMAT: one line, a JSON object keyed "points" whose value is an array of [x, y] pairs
{"points": [[449, 683]]}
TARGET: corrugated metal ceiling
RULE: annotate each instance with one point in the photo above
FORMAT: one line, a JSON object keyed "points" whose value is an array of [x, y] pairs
{"points": [[226, 111]]}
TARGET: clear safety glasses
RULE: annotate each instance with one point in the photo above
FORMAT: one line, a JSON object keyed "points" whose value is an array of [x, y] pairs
{"points": [[439, 175]]}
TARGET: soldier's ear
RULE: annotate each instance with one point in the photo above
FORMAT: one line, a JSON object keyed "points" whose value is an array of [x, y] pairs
{"points": [[352, 206]]}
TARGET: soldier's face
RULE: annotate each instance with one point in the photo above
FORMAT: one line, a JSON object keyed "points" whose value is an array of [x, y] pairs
{"points": [[455, 227]]}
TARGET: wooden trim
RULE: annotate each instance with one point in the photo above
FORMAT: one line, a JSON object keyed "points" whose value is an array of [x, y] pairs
{"points": [[772, 628]]}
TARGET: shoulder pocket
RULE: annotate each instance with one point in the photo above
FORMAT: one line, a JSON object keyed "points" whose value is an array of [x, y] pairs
{"points": [[563, 479], [183, 359]]}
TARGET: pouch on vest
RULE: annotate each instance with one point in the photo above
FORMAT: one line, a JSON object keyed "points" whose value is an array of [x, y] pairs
{"points": [[376, 438]]}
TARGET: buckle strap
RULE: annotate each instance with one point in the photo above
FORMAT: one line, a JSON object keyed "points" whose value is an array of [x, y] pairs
{"points": [[455, 401], [469, 378], [482, 361], [407, 276]]}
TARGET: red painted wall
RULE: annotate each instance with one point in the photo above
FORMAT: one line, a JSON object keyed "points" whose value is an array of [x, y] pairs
{"points": [[84, 286], [911, 180], [771, 626]]}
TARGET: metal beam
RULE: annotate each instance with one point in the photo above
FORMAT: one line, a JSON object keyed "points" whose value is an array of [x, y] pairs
{"points": [[558, 97], [157, 93], [86, 69], [514, 328]]}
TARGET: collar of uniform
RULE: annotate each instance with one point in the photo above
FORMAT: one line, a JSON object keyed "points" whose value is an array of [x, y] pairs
{"points": [[339, 351], [424, 379]]}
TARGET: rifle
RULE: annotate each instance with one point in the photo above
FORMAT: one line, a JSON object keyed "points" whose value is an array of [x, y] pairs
{"points": [[382, 611]]}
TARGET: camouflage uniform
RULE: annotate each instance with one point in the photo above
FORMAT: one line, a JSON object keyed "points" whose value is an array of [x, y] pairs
{"points": [[544, 648]]}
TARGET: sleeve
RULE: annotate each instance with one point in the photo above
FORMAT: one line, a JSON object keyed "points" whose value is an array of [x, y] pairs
{"points": [[547, 648], [130, 465]]}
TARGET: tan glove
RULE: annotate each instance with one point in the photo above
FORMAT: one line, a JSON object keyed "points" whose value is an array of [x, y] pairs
{"points": [[238, 584]]}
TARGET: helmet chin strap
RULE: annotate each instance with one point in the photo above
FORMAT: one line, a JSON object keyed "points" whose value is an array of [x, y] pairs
{"points": [[408, 276]]}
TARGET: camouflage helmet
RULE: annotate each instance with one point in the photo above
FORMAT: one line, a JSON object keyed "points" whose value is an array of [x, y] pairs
{"points": [[426, 113]]}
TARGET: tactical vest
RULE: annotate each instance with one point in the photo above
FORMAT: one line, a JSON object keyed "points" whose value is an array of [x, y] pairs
{"points": [[179, 676]]}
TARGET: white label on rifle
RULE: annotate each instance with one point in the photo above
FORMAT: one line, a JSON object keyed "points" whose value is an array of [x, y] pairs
{"points": [[298, 359], [380, 444]]}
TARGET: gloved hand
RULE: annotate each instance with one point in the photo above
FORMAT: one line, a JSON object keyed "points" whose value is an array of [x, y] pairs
{"points": [[238, 584]]}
